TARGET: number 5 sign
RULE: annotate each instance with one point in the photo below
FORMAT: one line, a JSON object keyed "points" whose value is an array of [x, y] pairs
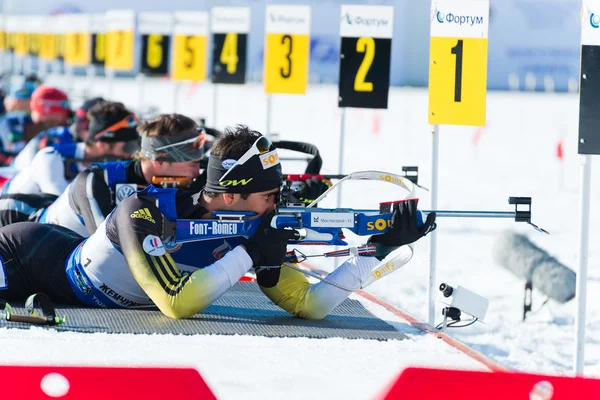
{"points": [[458, 62], [287, 49], [191, 30]]}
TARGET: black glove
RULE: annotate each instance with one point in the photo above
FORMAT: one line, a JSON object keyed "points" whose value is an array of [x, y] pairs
{"points": [[404, 228], [312, 189], [267, 246]]}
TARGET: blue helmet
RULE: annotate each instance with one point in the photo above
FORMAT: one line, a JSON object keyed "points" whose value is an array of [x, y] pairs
{"points": [[22, 91]]}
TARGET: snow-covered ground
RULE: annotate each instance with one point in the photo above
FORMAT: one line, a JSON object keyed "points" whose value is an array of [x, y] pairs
{"points": [[515, 155]]}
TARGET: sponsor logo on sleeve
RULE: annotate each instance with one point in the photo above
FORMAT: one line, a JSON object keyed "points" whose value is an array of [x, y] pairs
{"points": [[220, 251], [124, 190], [143, 213], [171, 245], [154, 246]]}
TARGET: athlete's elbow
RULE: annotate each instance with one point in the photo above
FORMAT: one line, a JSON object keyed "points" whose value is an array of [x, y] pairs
{"points": [[183, 312], [175, 313], [310, 313]]}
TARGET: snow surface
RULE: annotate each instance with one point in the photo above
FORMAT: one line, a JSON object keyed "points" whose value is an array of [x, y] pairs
{"points": [[515, 155]]}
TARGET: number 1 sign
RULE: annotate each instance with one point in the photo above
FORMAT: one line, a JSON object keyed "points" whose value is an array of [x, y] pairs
{"points": [[458, 62], [457, 86]]}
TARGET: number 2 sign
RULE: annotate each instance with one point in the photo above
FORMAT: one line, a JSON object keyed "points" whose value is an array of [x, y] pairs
{"points": [[458, 62], [365, 52]]}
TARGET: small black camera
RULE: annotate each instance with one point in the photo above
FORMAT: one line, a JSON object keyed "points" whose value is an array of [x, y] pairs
{"points": [[446, 290]]}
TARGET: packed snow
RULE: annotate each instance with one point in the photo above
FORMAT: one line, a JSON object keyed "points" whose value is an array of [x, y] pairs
{"points": [[514, 155]]}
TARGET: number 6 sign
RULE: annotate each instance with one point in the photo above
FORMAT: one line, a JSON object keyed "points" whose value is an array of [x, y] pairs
{"points": [[458, 62]]}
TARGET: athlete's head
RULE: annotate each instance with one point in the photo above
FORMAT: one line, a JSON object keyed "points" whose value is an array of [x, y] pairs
{"points": [[112, 131], [172, 146], [244, 173], [81, 121], [19, 96], [50, 106]]}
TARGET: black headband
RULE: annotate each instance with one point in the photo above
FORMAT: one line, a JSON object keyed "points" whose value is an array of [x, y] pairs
{"points": [[98, 123], [250, 177]]}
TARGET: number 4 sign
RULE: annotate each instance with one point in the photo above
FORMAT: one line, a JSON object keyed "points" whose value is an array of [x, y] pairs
{"points": [[458, 62], [230, 26]]}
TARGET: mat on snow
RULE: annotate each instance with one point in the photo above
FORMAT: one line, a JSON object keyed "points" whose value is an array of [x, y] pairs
{"points": [[243, 310]]}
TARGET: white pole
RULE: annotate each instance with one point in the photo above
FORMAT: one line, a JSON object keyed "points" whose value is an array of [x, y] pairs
{"points": [[110, 76], [341, 152], [214, 104], [176, 87], [28, 65], [431, 289], [141, 80], [69, 76], [90, 72], [581, 287], [41, 70], [268, 128]]}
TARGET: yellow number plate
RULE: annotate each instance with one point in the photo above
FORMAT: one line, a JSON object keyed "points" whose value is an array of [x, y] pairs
{"points": [[22, 44], [189, 63], [457, 81], [119, 50], [77, 48], [286, 63], [47, 47]]}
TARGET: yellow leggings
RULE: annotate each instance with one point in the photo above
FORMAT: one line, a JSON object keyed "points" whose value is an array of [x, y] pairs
{"points": [[294, 294]]}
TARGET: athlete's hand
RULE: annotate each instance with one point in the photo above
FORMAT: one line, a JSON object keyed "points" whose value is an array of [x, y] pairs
{"points": [[404, 228], [267, 246], [312, 189]]}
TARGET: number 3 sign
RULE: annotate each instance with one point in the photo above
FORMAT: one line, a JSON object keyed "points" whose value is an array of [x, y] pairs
{"points": [[458, 62], [287, 49]]}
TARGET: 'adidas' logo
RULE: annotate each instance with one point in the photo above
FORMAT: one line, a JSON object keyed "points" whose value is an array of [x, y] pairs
{"points": [[143, 213]]}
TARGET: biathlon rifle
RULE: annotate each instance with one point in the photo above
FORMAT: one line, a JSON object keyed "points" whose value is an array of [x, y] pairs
{"points": [[323, 226]]}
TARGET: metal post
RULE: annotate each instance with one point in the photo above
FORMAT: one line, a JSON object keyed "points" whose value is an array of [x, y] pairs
{"points": [[28, 65], [581, 286], [90, 72], [141, 80], [341, 152], [433, 235], [214, 104], [41, 70], [69, 76], [110, 76], [176, 87], [268, 127]]}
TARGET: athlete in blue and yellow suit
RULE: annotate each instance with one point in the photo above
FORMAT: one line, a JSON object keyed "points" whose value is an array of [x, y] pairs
{"points": [[130, 261]]}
